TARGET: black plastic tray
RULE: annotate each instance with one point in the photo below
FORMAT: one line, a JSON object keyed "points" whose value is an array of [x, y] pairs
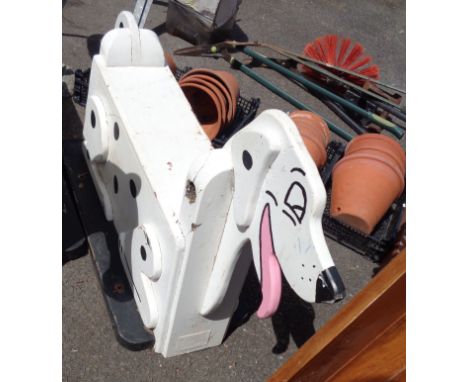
{"points": [[374, 246]]}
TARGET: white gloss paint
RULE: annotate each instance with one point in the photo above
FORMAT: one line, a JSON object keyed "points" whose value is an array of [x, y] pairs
{"points": [[189, 217]]}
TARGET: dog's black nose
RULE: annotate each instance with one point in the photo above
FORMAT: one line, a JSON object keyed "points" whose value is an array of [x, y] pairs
{"points": [[329, 287]]}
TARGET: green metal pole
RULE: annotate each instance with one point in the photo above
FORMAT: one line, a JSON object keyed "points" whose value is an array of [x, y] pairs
{"points": [[387, 125], [293, 101]]}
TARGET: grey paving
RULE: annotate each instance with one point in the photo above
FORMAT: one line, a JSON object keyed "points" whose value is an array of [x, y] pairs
{"points": [[256, 348]]}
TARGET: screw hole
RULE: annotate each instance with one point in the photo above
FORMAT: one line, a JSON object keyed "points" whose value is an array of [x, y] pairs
{"points": [[121, 25], [310, 280], [133, 189], [93, 119], [338, 209], [116, 131], [143, 253], [116, 184], [313, 266], [302, 278], [119, 288], [190, 191], [302, 265]]}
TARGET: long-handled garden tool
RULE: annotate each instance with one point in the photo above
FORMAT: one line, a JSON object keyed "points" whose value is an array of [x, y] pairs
{"points": [[221, 50], [385, 101], [385, 124], [329, 74], [342, 53], [320, 61], [324, 68], [280, 92]]}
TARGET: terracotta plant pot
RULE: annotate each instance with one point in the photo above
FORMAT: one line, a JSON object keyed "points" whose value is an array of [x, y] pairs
{"points": [[314, 120], [215, 89], [313, 144], [386, 157], [315, 133], [170, 62], [232, 85], [205, 105], [364, 185], [230, 107], [378, 142], [226, 79]]}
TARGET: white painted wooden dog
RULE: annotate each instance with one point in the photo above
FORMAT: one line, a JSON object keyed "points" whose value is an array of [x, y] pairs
{"points": [[190, 217]]}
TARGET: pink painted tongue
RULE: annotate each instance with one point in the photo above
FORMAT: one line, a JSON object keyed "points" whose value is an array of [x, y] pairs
{"points": [[270, 269]]}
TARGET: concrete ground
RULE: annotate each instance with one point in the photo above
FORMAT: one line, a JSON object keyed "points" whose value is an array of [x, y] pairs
{"points": [[254, 349]]}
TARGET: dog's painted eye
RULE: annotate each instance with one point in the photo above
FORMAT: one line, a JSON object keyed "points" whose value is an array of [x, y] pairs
{"points": [[296, 200]]}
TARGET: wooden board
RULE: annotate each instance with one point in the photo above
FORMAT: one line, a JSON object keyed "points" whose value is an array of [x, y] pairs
{"points": [[365, 341]]}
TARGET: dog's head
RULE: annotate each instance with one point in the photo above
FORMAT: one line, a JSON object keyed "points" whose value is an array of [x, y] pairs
{"points": [[279, 197]]}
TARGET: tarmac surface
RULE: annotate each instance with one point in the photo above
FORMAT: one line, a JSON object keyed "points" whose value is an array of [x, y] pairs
{"points": [[255, 348]]}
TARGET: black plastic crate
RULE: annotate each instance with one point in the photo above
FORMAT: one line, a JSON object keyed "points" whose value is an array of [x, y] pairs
{"points": [[374, 246], [246, 111], [80, 89]]}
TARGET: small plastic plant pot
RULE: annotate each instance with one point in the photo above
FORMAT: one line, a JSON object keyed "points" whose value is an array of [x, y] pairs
{"points": [[215, 89], [364, 186], [312, 129], [314, 121], [227, 79], [205, 105], [378, 142]]}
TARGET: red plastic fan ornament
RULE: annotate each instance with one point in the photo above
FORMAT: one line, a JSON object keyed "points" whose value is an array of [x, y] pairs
{"points": [[342, 53]]}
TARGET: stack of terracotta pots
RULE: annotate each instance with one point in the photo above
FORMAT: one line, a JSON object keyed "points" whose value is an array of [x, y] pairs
{"points": [[315, 134], [213, 96], [367, 180]]}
